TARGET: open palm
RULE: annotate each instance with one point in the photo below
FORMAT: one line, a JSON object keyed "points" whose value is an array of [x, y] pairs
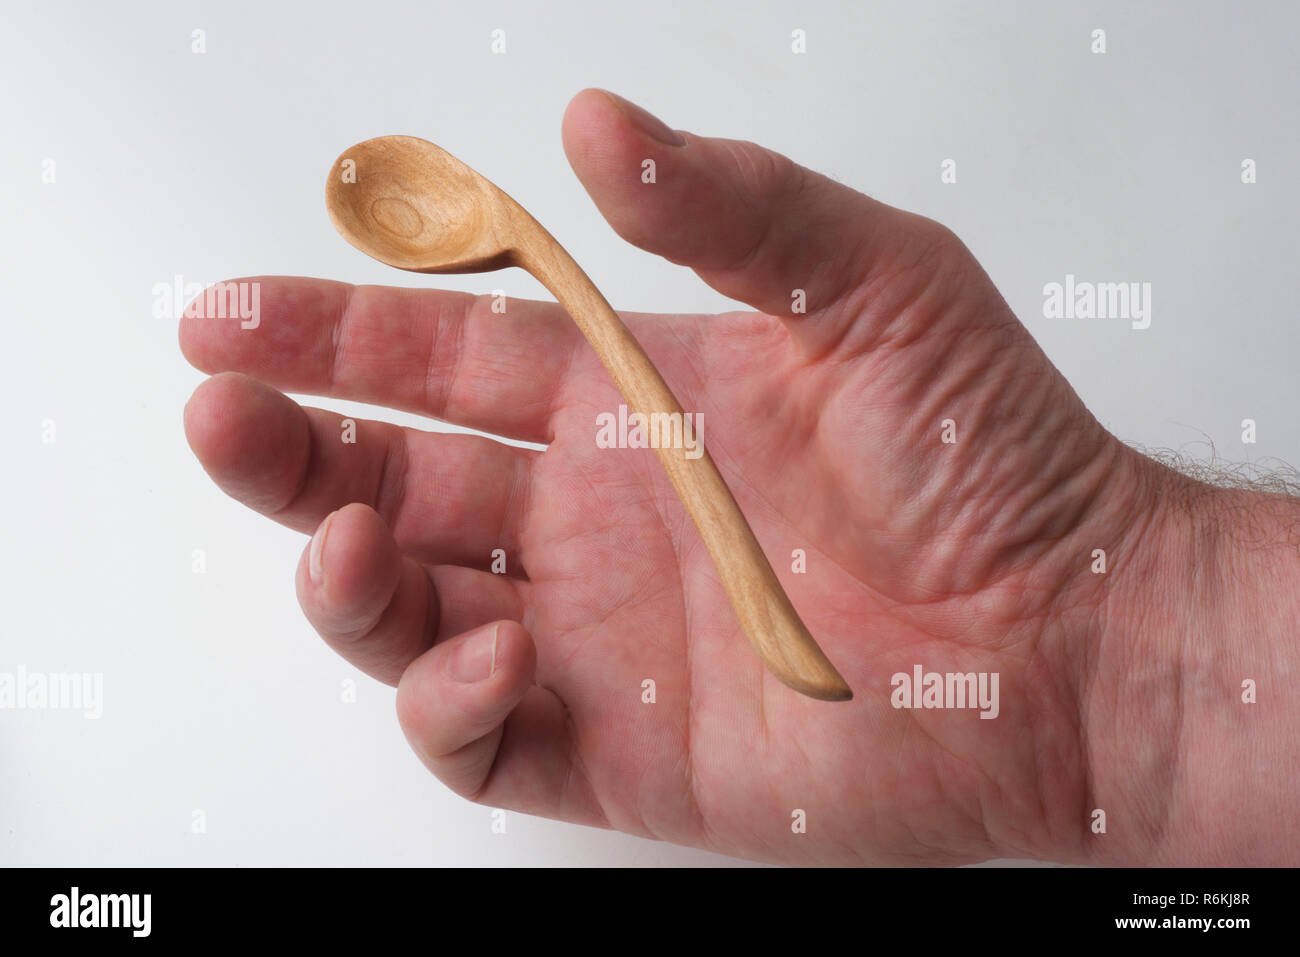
{"points": [[941, 484]]}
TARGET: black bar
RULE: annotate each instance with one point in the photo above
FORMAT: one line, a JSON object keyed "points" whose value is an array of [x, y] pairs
{"points": [[617, 908]]}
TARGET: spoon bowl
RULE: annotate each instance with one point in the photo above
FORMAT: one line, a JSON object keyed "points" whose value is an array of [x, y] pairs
{"points": [[410, 204]]}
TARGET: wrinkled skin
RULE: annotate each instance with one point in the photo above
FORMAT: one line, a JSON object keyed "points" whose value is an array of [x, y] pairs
{"points": [[970, 555]]}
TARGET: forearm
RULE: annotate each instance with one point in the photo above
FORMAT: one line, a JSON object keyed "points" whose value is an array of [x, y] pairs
{"points": [[1192, 716]]}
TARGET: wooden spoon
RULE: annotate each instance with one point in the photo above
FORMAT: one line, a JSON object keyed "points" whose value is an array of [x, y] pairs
{"points": [[412, 205]]}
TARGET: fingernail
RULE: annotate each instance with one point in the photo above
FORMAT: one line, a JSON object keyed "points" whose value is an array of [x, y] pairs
{"points": [[317, 550], [646, 122], [476, 657]]}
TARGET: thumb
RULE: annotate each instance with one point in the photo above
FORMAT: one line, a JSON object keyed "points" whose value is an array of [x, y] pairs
{"points": [[753, 224]]}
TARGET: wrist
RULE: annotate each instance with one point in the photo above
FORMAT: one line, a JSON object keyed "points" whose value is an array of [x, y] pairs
{"points": [[1192, 728]]}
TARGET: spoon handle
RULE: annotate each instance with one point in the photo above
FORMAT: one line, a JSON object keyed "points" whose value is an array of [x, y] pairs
{"points": [[761, 604]]}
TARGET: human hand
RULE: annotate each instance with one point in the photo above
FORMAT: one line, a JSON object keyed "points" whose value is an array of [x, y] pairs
{"points": [[524, 690]]}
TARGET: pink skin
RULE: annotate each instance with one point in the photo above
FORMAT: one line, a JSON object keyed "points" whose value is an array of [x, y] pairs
{"points": [[524, 691]]}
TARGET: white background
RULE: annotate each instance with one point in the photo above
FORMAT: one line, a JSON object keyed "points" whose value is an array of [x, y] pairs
{"points": [[218, 696]]}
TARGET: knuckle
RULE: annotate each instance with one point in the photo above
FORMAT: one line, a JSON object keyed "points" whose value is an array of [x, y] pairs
{"points": [[762, 173]]}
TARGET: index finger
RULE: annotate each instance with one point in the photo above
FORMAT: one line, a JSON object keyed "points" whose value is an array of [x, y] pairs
{"points": [[438, 353]]}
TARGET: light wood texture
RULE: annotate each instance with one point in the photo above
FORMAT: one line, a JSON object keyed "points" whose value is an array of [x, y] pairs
{"points": [[412, 205]]}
